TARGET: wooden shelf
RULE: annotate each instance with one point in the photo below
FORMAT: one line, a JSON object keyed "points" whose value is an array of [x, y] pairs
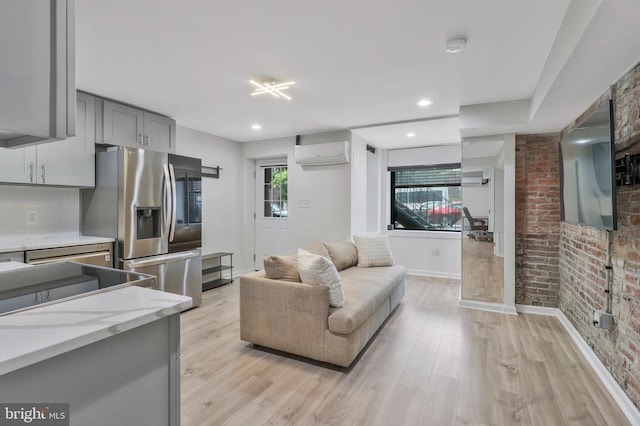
{"points": [[217, 268]]}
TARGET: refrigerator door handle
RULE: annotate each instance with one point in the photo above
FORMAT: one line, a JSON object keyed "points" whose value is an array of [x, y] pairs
{"points": [[172, 173], [168, 209], [158, 260]]}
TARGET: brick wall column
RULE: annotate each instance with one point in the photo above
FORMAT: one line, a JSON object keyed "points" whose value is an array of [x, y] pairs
{"points": [[537, 219]]}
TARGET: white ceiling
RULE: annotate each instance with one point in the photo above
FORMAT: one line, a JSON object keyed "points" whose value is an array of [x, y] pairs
{"points": [[356, 63]]}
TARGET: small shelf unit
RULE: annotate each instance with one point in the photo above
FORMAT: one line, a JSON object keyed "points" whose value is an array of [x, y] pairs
{"points": [[213, 266]]}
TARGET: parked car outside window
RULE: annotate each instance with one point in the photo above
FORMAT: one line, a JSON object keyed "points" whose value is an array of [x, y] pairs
{"points": [[445, 214], [277, 211]]}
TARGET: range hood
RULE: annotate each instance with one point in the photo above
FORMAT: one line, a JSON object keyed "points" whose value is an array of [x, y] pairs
{"points": [[9, 139]]}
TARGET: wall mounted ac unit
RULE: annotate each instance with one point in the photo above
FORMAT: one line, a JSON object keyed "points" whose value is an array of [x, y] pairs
{"points": [[322, 154]]}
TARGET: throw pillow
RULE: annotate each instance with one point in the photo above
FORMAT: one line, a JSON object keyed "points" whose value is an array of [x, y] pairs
{"points": [[373, 250], [319, 270], [283, 268], [319, 249], [343, 253]]}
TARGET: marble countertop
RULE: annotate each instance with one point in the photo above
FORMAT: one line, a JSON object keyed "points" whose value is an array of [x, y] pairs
{"points": [[37, 334], [35, 242]]}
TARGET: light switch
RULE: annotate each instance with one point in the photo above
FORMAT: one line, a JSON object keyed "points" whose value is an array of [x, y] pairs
{"points": [[303, 204]]}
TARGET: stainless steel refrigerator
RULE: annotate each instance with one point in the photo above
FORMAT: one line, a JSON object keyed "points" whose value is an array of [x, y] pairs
{"points": [[151, 203]]}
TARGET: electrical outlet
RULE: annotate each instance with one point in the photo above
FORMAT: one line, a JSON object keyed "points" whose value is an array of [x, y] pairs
{"points": [[32, 217], [602, 319], [435, 252]]}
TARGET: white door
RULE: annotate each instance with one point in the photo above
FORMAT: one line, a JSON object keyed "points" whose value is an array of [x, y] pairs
{"points": [[272, 209]]}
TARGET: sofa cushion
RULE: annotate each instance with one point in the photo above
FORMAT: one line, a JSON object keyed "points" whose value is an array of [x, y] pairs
{"points": [[281, 268], [319, 249], [373, 250], [319, 270], [343, 253], [365, 289]]}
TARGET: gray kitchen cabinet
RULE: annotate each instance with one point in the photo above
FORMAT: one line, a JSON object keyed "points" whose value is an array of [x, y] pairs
{"points": [[69, 162], [18, 165], [160, 133], [128, 378], [37, 76], [128, 126]]}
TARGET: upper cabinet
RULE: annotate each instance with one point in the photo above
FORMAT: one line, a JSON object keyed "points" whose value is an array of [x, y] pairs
{"points": [[128, 126], [37, 76], [69, 162]]}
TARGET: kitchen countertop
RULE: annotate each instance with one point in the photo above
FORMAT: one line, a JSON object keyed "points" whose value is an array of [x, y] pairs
{"points": [[35, 242], [8, 266], [40, 333]]}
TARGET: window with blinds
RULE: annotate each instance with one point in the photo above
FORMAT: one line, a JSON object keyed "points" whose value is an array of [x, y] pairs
{"points": [[426, 198]]}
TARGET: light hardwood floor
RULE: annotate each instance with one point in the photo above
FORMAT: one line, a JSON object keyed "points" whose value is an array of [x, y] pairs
{"points": [[482, 271], [432, 363]]}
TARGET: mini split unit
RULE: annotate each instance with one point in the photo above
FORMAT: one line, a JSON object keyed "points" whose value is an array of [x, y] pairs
{"points": [[322, 154]]}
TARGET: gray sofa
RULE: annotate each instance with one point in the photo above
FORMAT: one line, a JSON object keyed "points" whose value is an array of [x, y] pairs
{"points": [[296, 317]]}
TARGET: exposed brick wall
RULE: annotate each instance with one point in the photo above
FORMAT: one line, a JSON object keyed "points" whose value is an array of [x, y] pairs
{"points": [[537, 219], [627, 107], [583, 254]]}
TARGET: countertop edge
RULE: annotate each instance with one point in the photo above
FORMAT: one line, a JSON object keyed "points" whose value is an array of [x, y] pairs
{"points": [[162, 309], [44, 242]]}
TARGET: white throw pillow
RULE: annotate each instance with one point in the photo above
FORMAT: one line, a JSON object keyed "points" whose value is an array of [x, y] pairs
{"points": [[373, 250], [318, 270]]}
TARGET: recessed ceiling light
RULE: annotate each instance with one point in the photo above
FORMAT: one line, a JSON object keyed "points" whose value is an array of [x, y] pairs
{"points": [[456, 45], [256, 126], [273, 88], [425, 102], [411, 135]]}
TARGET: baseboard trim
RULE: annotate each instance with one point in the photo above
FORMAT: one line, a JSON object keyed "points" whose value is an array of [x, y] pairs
{"points": [[624, 402], [435, 274], [487, 306]]}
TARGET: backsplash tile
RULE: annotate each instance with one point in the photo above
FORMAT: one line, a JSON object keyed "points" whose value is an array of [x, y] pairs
{"points": [[57, 210]]}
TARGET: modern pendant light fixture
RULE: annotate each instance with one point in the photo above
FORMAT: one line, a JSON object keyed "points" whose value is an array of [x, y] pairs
{"points": [[275, 89]]}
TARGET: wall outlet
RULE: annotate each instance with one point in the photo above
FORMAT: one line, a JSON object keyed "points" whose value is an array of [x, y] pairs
{"points": [[601, 319], [435, 252], [32, 217]]}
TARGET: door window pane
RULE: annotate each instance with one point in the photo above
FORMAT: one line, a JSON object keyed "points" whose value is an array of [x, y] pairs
{"points": [[275, 191]]}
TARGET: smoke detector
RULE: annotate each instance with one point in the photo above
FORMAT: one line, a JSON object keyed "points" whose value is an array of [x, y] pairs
{"points": [[456, 45]]}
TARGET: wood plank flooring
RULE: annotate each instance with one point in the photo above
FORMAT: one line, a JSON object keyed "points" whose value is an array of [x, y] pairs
{"points": [[483, 272], [432, 363]]}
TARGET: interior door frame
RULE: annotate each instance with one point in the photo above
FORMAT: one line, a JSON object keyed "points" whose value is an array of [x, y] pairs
{"points": [[260, 165]]}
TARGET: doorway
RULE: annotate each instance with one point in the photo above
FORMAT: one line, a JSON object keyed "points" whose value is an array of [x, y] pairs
{"points": [[271, 209]]}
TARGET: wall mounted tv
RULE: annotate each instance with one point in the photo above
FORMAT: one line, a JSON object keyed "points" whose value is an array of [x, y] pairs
{"points": [[588, 189]]}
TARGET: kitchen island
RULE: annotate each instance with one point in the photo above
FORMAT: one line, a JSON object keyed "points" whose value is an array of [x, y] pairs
{"points": [[114, 357]]}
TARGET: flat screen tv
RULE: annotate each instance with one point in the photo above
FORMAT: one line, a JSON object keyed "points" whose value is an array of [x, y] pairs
{"points": [[587, 166]]}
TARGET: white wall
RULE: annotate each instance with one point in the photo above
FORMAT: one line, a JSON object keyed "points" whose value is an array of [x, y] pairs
{"points": [[327, 188], [221, 198], [359, 185], [423, 252], [476, 197], [375, 173]]}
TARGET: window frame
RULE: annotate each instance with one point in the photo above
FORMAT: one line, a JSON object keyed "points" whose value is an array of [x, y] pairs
{"points": [[281, 200], [392, 197]]}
